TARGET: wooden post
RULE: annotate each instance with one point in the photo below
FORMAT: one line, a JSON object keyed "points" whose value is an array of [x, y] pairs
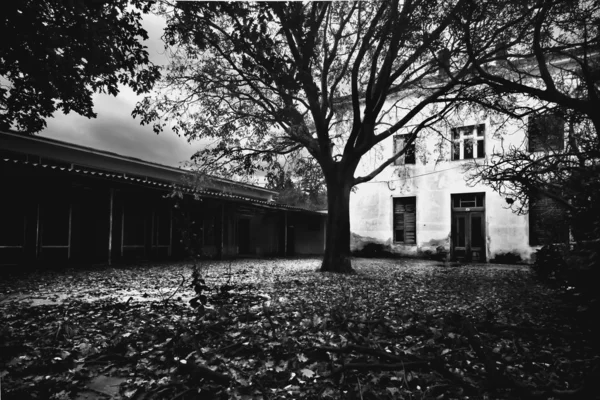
{"points": [[110, 225], [222, 230], [122, 226], [70, 224], [285, 233], [153, 236], [37, 232], [170, 232]]}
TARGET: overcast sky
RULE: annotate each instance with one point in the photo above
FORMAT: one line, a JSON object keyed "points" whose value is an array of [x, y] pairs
{"points": [[114, 129]]}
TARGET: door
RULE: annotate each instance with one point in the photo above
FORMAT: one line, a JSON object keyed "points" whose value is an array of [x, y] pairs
{"points": [[468, 235]]}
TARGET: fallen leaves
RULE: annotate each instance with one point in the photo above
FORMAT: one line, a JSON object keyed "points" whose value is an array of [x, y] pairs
{"points": [[278, 329]]}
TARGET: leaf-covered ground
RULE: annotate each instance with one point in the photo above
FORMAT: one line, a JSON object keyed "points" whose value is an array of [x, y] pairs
{"points": [[278, 329]]}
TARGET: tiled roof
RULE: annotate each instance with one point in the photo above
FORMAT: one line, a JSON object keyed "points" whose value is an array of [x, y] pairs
{"points": [[81, 170]]}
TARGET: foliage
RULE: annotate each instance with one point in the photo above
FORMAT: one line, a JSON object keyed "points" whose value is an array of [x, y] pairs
{"points": [[264, 81], [572, 269], [199, 301], [441, 254], [542, 51], [396, 329], [549, 262], [506, 258], [301, 185], [56, 54], [374, 250], [545, 61]]}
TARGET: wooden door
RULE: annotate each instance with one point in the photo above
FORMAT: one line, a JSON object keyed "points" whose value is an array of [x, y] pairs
{"points": [[468, 235]]}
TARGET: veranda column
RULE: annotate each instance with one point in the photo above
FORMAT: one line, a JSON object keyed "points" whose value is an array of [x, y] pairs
{"points": [[285, 233], [222, 228], [70, 230], [170, 232], [37, 231], [110, 224]]}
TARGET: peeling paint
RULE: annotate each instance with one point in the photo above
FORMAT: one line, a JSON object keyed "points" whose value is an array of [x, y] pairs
{"points": [[433, 183]]}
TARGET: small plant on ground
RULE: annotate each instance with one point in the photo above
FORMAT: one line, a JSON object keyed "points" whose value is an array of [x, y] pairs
{"points": [[199, 301]]}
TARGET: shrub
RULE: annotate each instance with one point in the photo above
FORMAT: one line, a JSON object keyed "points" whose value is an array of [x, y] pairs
{"points": [[199, 301], [550, 263], [441, 254], [507, 258], [374, 250]]}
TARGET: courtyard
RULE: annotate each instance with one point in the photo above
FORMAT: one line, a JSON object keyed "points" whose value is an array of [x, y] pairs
{"points": [[276, 328]]}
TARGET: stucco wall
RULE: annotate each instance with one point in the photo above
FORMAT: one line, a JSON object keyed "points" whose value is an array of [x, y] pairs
{"points": [[432, 180]]}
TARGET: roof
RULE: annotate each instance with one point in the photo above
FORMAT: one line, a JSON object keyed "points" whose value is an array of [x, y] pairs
{"points": [[81, 160]]}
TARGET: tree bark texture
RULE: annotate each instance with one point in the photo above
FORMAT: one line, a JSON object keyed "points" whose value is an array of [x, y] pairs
{"points": [[337, 243]]}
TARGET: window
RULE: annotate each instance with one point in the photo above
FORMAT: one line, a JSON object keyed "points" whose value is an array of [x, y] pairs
{"points": [[546, 132], [547, 222], [409, 156], [468, 142], [468, 200], [405, 221]]}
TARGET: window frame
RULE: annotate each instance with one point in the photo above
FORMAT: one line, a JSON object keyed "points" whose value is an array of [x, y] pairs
{"points": [[410, 201], [409, 157], [467, 133]]}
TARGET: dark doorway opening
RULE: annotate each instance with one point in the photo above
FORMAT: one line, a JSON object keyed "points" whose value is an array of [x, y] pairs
{"points": [[291, 240], [244, 236]]}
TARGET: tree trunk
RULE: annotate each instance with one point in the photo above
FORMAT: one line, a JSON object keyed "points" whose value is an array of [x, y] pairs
{"points": [[337, 244]]}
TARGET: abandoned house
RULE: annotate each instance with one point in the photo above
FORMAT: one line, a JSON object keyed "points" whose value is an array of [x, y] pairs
{"points": [[64, 203], [422, 205]]}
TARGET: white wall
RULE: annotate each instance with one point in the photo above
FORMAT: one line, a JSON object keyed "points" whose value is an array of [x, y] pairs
{"points": [[433, 180]]}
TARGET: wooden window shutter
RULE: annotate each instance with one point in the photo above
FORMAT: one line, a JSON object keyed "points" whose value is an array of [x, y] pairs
{"points": [[405, 221], [410, 224]]}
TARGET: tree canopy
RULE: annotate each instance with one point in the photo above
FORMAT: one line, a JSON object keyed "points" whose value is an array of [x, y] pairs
{"points": [[56, 54], [331, 79], [542, 61]]}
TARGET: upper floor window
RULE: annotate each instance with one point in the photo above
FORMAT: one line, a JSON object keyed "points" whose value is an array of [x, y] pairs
{"points": [[468, 142], [409, 156], [546, 132]]}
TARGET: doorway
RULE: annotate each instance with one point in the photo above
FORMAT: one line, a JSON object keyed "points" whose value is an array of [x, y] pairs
{"points": [[468, 227], [244, 235]]}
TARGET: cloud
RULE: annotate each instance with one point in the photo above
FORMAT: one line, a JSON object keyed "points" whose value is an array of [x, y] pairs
{"points": [[114, 129]]}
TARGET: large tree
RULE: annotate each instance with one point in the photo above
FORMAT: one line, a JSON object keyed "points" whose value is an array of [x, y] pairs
{"points": [[542, 60], [55, 54], [333, 79]]}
